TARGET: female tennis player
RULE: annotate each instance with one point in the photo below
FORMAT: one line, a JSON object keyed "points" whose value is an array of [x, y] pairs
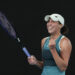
{"points": [[56, 48]]}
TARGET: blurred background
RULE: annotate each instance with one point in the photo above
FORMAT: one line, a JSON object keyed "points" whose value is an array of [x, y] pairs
{"points": [[27, 18]]}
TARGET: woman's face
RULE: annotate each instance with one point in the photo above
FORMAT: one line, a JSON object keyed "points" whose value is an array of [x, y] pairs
{"points": [[53, 26]]}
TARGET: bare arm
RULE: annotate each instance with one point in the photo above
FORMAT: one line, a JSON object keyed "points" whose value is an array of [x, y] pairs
{"points": [[63, 59], [40, 63], [33, 61]]}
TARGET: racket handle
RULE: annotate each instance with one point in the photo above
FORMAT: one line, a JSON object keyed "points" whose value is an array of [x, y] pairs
{"points": [[26, 52], [23, 48]]}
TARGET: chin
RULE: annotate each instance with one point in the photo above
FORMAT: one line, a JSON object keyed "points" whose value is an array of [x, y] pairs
{"points": [[50, 32]]}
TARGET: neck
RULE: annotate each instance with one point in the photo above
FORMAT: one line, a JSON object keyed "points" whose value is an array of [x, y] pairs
{"points": [[55, 36]]}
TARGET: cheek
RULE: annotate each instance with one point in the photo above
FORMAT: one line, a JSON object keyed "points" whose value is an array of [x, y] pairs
{"points": [[47, 24], [55, 27]]}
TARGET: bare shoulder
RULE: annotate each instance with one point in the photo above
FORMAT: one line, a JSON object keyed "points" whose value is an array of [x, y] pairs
{"points": [[43, 41], [65, 43]]}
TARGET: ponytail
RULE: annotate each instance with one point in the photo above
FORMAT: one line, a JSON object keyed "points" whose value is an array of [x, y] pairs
{"points": [[65, 30]]}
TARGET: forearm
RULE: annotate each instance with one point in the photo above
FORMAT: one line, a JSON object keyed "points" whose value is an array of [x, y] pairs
{"points": [[59, 61]]}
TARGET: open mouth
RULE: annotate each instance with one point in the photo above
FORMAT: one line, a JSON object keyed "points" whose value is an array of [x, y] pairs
{"points": [[49, 28]]}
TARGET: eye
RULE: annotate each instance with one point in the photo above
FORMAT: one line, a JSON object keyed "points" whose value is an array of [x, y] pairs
{"points": [[48, 20], [53, 21]]}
